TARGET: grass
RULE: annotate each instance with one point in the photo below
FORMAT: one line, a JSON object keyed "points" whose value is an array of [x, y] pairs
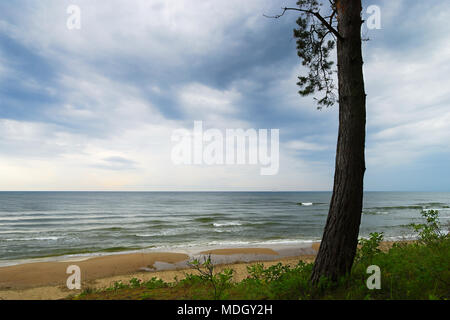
{"points": [[418, 270]]}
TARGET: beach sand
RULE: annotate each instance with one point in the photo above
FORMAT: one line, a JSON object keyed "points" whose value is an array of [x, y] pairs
{"points": [[47, 280], [18, 279], [230, 251]]}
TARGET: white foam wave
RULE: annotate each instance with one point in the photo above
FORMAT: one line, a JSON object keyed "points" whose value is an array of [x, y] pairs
{"points": [[168, 232], [262, 242], [375, 212], [33, 239], [226, 224]]}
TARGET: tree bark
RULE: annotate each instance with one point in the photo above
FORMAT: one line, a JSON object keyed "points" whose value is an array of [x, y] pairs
{"points": [[340, 237]]}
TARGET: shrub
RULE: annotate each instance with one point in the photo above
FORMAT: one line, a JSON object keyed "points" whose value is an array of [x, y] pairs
{"points": [[219, 281], [135, 283], [154, 283], [369, 247], [430, 231]]}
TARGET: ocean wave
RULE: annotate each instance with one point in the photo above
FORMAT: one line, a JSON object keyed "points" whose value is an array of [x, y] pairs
{"points": [[375, 212], [223, 230], [262, 223], [225, 243], [108, 229], [227, 224], [33, 239], [397, 207], [305, 204], [204, 219], [419, 206], [145, 235], [430, 205], [162, 233]]}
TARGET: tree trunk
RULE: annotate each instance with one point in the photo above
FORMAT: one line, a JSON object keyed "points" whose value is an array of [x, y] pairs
{"points": [[340, 237]]}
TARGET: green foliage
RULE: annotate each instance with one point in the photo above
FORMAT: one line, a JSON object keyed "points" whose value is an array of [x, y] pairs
{"points": [[219, 281], [276, 282], [135, 283], [369, 247], [87, 291], [117, 285], [258, 272], [154, 283], [314, 45], [430, 231], [191, 279], [416, 271]]}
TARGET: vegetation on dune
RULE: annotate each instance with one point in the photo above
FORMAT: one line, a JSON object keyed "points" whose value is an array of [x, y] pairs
{"points": [[417, 270]]}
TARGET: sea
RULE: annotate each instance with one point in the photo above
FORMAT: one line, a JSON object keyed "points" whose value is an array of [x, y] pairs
{"points": [[52, 224]]}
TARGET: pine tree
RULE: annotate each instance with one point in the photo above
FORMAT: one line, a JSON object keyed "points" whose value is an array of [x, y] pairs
{"points": [[317, 36]]}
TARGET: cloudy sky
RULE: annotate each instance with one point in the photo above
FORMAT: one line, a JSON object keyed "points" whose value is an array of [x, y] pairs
{"points": [[95, 108]]}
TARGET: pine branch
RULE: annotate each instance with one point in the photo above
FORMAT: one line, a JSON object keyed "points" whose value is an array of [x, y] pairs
{"points": [[314, 13]]}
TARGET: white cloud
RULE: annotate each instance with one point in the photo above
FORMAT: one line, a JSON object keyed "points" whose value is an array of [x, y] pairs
{"points": [[407, 104], [138, 159], [108, 134], [202, 101], [162, 30], [300, 145]]}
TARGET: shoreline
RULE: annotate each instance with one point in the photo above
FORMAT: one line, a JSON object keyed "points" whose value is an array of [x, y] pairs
{"points": [[278, 245], [282, 245], [47, 280]]}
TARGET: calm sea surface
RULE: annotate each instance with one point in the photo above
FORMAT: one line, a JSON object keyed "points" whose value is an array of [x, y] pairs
{"points": [[37, 224]]}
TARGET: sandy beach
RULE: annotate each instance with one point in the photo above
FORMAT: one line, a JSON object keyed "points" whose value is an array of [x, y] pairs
{"points": [[47, 280]]}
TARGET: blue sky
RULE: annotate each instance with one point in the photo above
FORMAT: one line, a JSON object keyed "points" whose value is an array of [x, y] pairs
{"points": [[94, 109]]}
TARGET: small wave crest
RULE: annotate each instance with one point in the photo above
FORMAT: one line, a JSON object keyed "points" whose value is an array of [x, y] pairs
{"points": [[34, 239], [226, 224], [375, 212], [305, 204]]}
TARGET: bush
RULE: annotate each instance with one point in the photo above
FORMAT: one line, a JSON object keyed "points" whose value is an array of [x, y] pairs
{"points": [[430, 231], [135, 283], [369, 247], [154, 283], [219, 281]]}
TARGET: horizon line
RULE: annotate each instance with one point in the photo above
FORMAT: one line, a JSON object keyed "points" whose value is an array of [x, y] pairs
{"points": [[210, 191]]}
